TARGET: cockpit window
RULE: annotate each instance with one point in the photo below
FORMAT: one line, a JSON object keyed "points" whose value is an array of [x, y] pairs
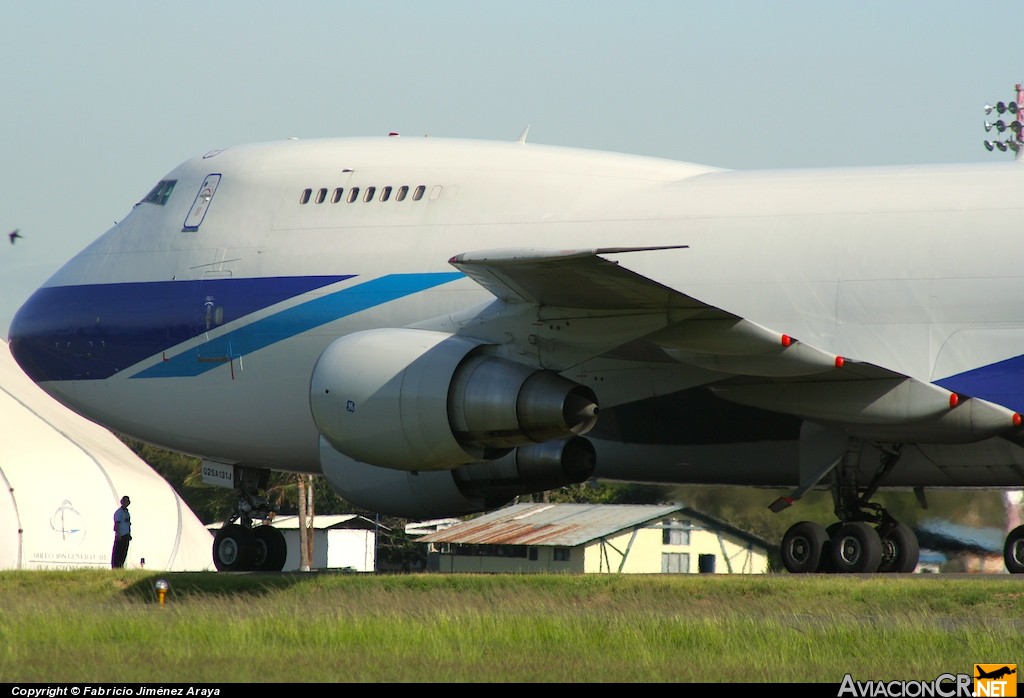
{"points": [[160, 192]]}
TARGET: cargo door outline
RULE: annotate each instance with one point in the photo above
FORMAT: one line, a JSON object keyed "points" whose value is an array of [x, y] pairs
{"points": [[201, 205]]}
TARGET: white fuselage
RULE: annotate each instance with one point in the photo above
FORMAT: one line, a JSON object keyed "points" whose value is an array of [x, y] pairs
{"points": [[916, 269]]}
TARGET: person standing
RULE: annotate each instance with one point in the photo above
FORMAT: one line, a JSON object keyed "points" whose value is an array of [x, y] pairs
{"points": [[122, 534]]}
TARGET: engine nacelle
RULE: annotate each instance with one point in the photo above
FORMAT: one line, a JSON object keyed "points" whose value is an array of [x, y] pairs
{"points": [[423, 400], [529, 469], [464, 490]]}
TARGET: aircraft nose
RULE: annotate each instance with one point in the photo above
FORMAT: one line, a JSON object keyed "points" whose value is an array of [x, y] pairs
{"points": [[57, 335], [34, 339]]}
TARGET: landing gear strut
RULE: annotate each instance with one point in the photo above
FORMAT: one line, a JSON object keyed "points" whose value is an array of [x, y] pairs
{"points": [[241, 545], [866, 538]]}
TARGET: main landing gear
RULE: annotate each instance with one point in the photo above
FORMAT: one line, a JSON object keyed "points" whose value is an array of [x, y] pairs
{"points": [[1013, 551], [854, 546], [865, 539], [241, 545]]}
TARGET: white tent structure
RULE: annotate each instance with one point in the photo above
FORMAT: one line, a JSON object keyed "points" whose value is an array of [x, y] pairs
{"points": [[62, 478]]}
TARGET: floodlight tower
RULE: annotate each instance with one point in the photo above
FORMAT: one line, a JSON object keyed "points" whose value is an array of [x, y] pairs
{"points": [[1015, 138]]}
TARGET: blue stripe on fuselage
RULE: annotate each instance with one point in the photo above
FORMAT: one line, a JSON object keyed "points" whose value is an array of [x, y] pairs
{"points": [[92, 332], [293, 321], [1001, 383]]}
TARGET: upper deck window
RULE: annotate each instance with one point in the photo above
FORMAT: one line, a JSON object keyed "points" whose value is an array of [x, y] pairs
{"points": [[160, 193]]}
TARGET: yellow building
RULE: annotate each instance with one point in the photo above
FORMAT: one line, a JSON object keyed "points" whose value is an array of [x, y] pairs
{"points": [[601, 538]]}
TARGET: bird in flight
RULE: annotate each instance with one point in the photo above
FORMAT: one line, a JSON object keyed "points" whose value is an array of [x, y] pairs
{"points": [[14, 235]]}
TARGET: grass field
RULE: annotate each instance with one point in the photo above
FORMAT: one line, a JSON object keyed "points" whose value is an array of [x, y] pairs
{"points": [[108, 626]]}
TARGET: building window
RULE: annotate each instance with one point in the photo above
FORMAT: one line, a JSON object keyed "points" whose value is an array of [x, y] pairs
{"points": [[675, 533], [675, 563], [532, 554], [560, 554]]}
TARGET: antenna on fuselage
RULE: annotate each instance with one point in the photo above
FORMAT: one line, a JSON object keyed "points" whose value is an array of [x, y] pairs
{"points": [[1015, 125], [522, 136]]}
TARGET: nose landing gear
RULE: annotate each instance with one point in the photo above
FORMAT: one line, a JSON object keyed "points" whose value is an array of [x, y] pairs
{"points": [[241, 546]]}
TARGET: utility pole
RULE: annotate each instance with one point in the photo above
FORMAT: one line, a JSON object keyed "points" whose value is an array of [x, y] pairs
{"points": [[305, 521]]}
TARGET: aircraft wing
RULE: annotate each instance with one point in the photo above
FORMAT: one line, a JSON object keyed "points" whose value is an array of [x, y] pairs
{"points": [[580, 279], [583, 304], [567, 286]]}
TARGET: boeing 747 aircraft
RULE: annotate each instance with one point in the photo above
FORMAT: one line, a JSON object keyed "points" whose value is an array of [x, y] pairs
{"points": [[437, 326]]}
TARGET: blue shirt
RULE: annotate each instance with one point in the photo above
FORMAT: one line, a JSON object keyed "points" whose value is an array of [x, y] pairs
{"points": [[122, 522]]}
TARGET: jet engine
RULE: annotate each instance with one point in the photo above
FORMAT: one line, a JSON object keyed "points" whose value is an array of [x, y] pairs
{"points": [[467, 489], [422, 400]]}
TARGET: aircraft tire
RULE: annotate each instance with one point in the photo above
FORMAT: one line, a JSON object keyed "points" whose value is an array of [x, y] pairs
{"points": [[856, 547], [234, 549], [1013, 551], [803, 546], [900, 550], [271, 549]]}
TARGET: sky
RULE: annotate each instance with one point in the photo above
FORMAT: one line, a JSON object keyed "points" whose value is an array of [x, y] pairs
{"points": [[100, 100]]}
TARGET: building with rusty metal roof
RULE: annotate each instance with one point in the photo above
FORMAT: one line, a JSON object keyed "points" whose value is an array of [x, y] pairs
{"points": [[596, 538]]}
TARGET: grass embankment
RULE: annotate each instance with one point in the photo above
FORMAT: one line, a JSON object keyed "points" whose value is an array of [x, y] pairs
{"points": [[107, 626]]}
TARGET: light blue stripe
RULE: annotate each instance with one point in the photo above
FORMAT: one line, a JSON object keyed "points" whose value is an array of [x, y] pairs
{"points": [[294, 321]]}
